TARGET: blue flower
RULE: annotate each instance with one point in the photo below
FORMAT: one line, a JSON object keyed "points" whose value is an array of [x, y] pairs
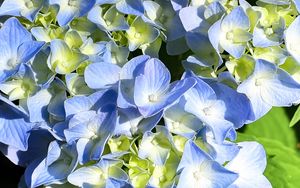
{"points": [[153, 91], [91, 130], [231, 33], [269, 86], [198, 169], [203, 102], [17, 48]]}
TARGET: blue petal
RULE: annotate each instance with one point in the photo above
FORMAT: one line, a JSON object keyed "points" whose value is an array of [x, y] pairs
{"points": [[190, 18], [238, 110], [223, 152], [11, 8], [237, 18], [255, 156], [128, 73], [27, 50], [179, 4], [66, 15], [291, 38], [85, 6], [96, 75], [209, 175], [260, 39], [14, 128], [134, 7], [77, 104], [37, 148], [14, 34], [214, 35], [37, 106], [192, 156], [112, 182], [202, 102]]}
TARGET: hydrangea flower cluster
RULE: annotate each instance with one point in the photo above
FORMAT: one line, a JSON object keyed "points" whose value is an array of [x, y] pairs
{"points": [[85, 100]]}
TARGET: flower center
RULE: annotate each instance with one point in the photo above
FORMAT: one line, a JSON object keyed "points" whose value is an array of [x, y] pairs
{"points": [[73, 3], [153, 98], [229, 35], [269, 31], [29, 4], [207, 111], [11, 63], [197, 175], [175, 125], [137, 35], [258, 82]]}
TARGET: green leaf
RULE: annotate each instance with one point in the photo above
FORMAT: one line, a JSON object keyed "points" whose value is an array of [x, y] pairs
{"points": [[275, 126], [296, 118], [282, 162]]}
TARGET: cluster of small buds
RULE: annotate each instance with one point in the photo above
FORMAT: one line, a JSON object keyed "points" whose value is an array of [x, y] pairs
{"points": [[85, 100]]}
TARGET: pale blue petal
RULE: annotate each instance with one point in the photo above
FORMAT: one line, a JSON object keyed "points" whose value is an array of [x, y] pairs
{"points": [[214, 11], [223, 152], [37, 106], [179, 4], [190, 18], [111, 182], [96, 75], [91, 176], [251, 159], [134, 7], [129, 71], [237, 18], [11, 8], [192, 156], [27, 50], [292, 38], [77, 104], [260, 39], [211, 175], [14, 33], [234, 49], [14, 128], [77, 132], [214, 35], [66, 15], [149, 123]]}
